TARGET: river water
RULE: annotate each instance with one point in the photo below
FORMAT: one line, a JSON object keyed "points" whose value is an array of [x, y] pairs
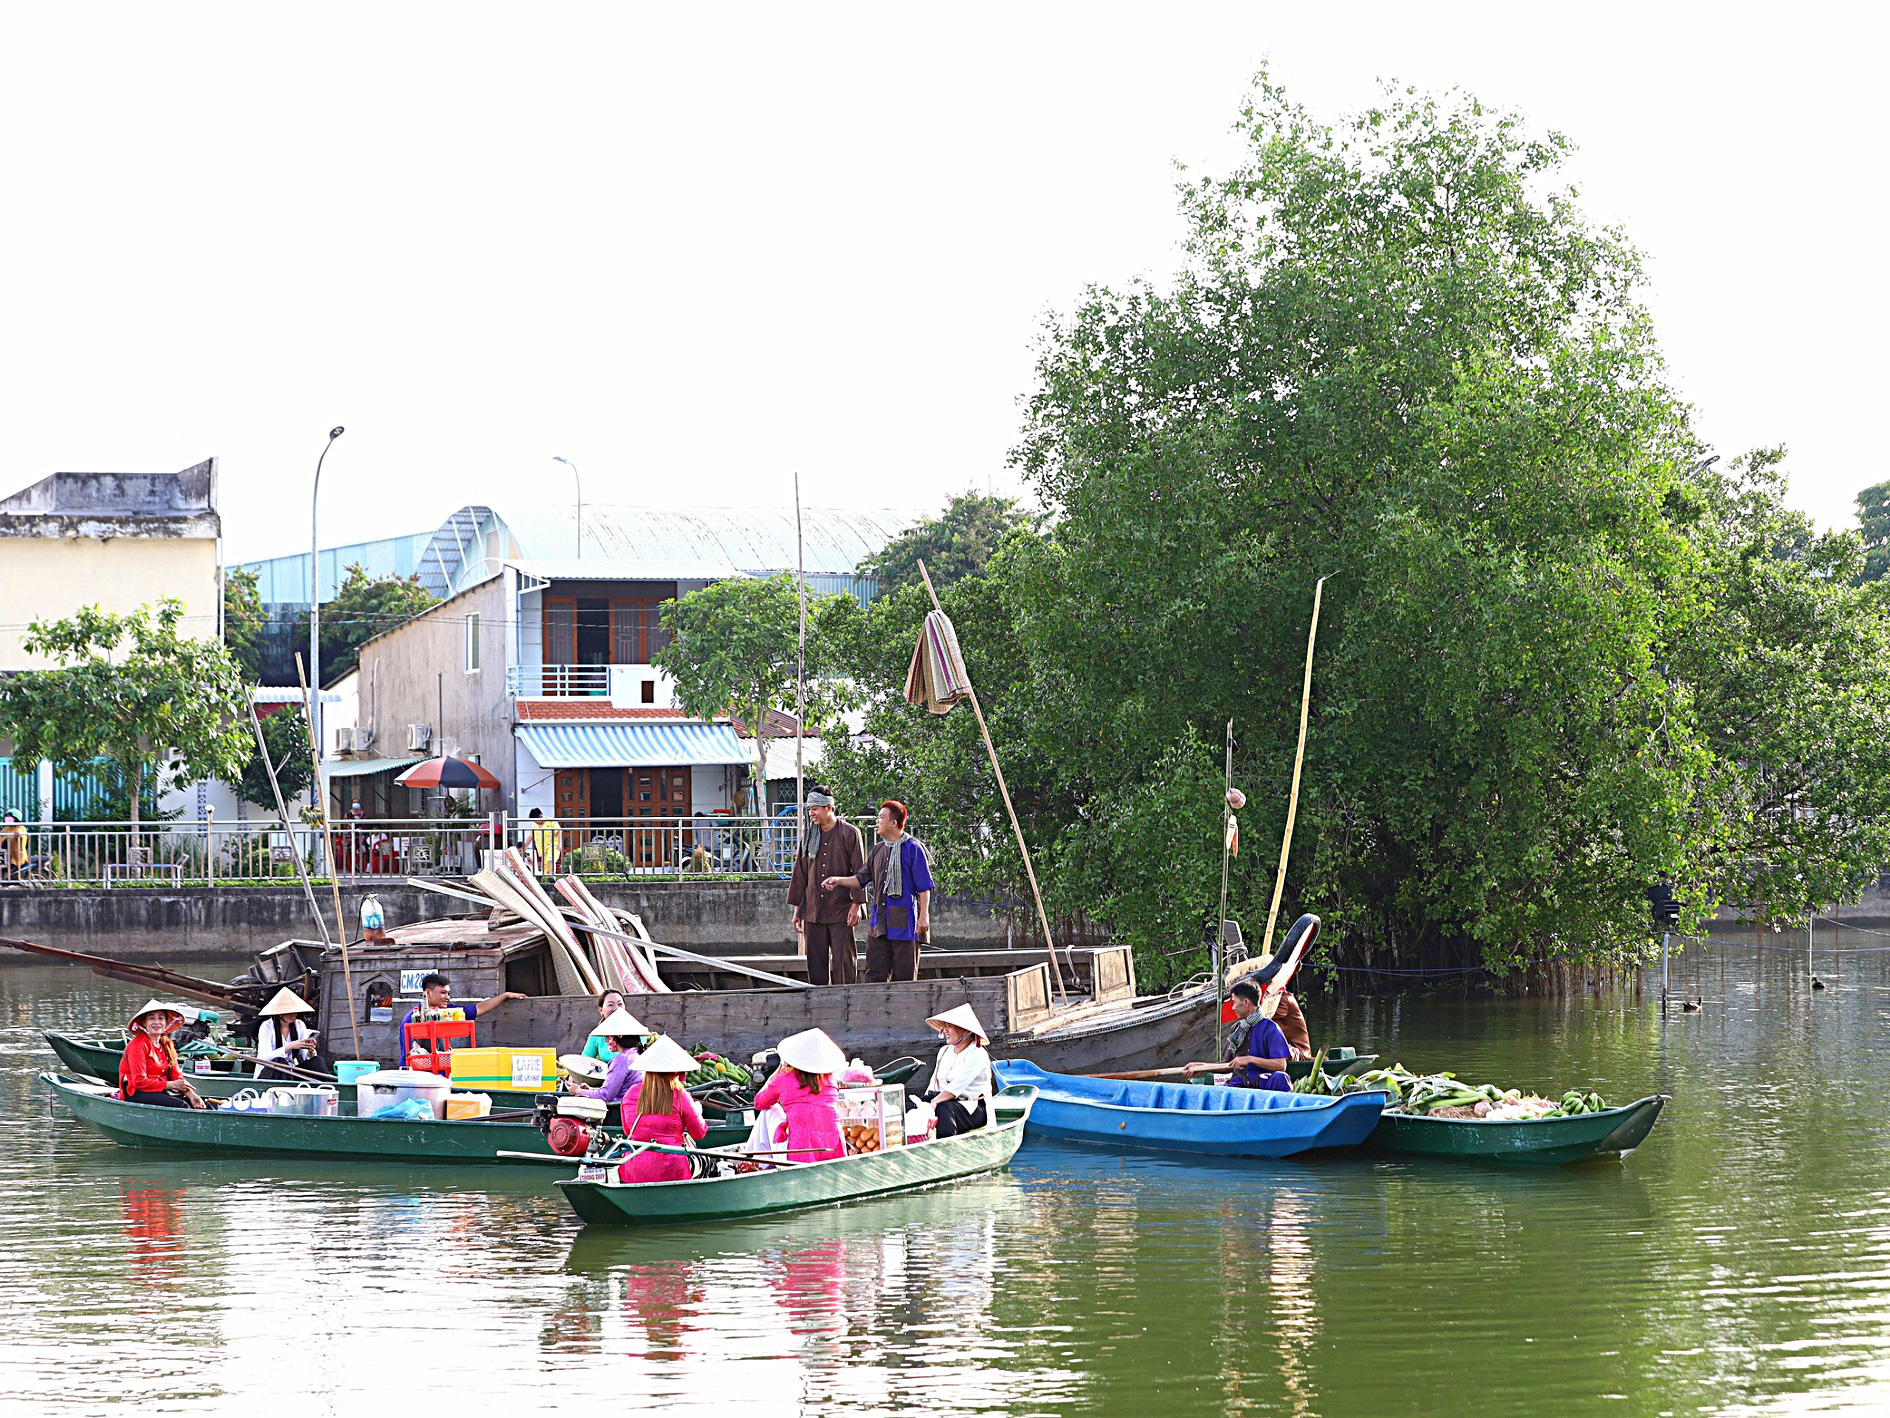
{"points": [[1739, 1263]]}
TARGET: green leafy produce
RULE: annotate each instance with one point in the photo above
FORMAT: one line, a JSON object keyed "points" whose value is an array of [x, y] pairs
{"points": [[1422, 1093]]}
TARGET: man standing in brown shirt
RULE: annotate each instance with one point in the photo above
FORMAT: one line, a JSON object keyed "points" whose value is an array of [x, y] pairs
{"points": [[830, 848]]}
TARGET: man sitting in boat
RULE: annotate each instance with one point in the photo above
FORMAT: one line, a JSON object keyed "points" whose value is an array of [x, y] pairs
{"points": [[148, 1072], [1257, 1052], [282, 1037], [437, 1005], [961, 1075]]}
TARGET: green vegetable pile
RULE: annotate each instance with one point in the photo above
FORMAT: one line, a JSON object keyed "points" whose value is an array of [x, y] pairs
{"points": [[715, 1069], [1422, 1093]]}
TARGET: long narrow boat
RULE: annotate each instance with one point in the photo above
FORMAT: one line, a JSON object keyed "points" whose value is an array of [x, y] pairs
{"points": [[1185, 1117], [214, 1131], [1551, 1142], [99, 1057], [604, 1201]]}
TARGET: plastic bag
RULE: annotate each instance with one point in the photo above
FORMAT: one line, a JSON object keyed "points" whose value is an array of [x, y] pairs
{"points": [[409, 1110], [855, 1072]]}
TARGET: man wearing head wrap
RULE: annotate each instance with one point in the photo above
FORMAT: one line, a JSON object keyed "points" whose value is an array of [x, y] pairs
{"points": [[831, 847]]}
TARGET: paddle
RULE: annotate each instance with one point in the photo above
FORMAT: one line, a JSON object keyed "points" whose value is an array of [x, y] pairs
{"points": [[1143, 1073], [313, 1075]]}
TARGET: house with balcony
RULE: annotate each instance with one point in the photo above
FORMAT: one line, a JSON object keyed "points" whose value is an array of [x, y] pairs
{"points": [[541, 672]]}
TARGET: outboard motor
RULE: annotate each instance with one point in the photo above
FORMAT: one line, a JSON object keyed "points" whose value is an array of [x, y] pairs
{"points": [[571, 1125]]}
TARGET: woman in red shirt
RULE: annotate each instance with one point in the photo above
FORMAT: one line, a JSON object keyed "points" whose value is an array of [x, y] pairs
{"points": [[148, 1073]]}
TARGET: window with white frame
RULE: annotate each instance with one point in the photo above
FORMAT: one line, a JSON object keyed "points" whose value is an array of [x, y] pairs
{"points": [[472, 643]]}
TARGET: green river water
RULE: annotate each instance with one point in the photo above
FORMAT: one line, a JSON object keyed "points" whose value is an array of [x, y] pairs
{"points": [[1738, 1263]]}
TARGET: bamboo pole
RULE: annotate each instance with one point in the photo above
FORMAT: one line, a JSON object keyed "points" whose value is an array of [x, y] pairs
{"points": [[334, 877], [800, 692], [1299, 759], [1043, 919], [1220, 921]]}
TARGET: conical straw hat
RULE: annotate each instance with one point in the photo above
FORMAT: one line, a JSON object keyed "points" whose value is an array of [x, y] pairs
{"points": [[287, 1001], [153, 1007], [811, 1051], [965, 1018], [667, 1056], [621, 1022]]}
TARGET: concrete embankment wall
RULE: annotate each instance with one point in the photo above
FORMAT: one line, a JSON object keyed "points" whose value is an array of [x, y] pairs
{"points": [[149, 922]]}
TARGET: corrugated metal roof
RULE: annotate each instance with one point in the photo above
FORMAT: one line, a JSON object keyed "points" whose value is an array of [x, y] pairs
{"points": [[359, 767], [631, 745], [752, 538]]}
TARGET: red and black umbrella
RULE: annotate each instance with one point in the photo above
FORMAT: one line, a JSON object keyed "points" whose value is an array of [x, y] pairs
{"points": [[448, 772]]}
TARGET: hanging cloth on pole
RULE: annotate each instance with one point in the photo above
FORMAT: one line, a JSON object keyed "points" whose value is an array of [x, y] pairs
{"points": [[938, 678]]}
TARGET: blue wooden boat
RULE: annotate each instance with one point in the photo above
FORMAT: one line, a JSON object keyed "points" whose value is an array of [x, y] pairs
{"points": [[1186, 1117]]}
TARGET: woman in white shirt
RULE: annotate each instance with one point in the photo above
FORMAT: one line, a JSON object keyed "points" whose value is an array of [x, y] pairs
{"points": [[961, 1076], [282, 1037]]}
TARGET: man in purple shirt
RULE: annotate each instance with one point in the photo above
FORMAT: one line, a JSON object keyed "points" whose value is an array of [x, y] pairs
{"points": [[1257, 1052]]}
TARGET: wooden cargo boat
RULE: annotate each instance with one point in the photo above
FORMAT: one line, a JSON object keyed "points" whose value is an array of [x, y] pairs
{"points": [[1184, 1117], [1551, 1142], [607, 1202], [481, 1140]]}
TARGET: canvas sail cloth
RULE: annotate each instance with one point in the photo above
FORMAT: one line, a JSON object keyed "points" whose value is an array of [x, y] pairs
{"points": [[938, 678]]}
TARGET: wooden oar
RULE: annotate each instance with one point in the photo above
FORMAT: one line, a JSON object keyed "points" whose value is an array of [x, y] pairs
{"points": [[1142, 1073]]}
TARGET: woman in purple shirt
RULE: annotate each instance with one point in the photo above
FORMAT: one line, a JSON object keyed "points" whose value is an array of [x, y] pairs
{"points": [[626, 1036]]}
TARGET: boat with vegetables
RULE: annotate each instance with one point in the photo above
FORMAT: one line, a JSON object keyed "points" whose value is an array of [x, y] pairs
{"points": [[1437, 1115], [1184, 1117], [599, 1199]]}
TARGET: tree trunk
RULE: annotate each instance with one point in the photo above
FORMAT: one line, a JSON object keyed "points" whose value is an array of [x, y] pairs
{"points": [[761, 758]]}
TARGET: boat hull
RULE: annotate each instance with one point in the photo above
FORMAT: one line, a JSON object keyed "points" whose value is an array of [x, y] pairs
{"points": [[1206, 1121], [266, 1134], [1543, 1142], [844, 1179]]}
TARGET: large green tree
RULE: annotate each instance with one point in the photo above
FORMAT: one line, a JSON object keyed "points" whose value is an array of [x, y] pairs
{"points": [[1401, 358], [163, 707], [959, 542], [364, 606], [1873, 516], [245, 622], [286, 734], [734, 646]]}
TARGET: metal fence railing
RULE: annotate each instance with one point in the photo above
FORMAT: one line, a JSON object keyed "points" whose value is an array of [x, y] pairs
{"points": [[209, 852]]}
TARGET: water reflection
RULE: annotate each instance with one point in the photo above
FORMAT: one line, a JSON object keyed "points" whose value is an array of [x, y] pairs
{"points": [[154, 1231], [1739, 1263]]}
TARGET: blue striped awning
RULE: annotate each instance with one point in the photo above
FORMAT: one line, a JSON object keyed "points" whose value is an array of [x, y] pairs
{"points": [[636, 744]]}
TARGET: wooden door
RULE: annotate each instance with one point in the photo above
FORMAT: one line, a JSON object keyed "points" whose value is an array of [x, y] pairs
{"points": [[560, 649], [573, 805], [655, 793]]}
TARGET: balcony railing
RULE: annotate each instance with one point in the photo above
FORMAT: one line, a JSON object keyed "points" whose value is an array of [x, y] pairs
{"points": [[552, 681], [218, 853]]}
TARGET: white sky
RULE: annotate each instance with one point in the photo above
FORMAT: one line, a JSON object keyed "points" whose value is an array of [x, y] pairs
{"points": [[694, 254]]}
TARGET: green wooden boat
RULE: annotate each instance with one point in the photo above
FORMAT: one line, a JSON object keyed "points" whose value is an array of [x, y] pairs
{"points": [[98, 1058], [604, 1201], [1551, 1142]]}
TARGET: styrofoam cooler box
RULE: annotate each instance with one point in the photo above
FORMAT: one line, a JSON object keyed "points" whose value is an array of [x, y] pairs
{"points": [[521, 1070]]}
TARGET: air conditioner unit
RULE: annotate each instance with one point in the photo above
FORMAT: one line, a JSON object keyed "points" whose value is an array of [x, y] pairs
{"points": [[418, 737], [345, 741]]}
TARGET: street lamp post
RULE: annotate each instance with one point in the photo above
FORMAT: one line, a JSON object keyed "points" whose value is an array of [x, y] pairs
{"points": [[579, 483], [315, 621]]}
